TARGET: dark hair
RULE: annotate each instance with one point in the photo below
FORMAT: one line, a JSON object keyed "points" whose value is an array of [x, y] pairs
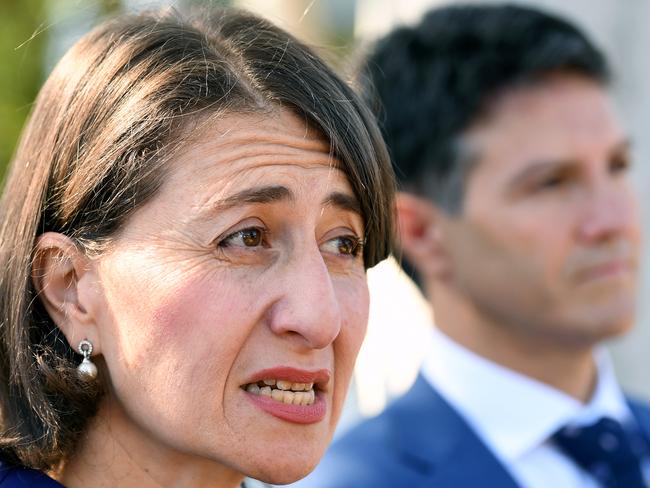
{"points": [[105, 122], [430, 82]]}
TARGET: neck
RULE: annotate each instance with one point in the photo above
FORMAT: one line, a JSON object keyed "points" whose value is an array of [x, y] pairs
{"points": [[561, 364], [111, 454]]}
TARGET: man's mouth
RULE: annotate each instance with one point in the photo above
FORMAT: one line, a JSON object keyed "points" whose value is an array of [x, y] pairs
{"points": [[610, 269], [283, 391]]}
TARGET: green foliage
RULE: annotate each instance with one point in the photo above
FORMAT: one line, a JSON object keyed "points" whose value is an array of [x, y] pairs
{"points": [[23, 36], [25, 30]]}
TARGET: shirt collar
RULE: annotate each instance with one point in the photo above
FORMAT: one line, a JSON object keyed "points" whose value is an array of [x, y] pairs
{"points": [[511, 412]]}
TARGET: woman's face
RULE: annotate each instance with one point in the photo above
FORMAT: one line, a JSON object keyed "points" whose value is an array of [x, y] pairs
{"points": [[237, 287]]}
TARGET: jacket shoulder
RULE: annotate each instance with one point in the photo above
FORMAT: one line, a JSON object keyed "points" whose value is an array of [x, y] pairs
{"points": [[641, 411]]}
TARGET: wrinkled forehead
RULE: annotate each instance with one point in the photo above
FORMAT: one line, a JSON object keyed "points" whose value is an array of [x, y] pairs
{"points": [[228, 154], [238, 140]]}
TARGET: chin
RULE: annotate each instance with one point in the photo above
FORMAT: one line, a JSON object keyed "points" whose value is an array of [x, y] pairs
{"points": [[286, 459], [616, 328], [286, 470], [618, 317], [608, 321], [286, 453]]}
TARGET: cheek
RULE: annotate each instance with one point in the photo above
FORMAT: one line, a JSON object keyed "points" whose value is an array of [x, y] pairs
{"points": [[173, 333], [509, 262], [354, 302], [527, 240], [634, 230]]}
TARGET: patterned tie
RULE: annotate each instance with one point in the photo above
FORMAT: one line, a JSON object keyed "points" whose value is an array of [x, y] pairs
{"points": [[612, 455]]}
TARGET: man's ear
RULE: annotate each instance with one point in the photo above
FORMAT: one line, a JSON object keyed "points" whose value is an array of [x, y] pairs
{"points": [[64, 282], [419, 223]]}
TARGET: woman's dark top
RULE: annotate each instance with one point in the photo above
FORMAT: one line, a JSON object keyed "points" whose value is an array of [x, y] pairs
{"points": [[15, 477]]}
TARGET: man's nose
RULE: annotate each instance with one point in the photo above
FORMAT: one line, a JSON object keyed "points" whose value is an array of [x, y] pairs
{"points": [[307, 306], [610, 212]]}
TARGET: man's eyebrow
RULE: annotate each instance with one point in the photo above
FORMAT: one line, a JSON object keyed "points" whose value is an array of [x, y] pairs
{"points": [[540, 168], [343, 201], [264, 194], [543, 166]]}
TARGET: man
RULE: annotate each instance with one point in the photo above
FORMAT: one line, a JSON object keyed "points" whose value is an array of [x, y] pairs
{"points": [[519, 220]]}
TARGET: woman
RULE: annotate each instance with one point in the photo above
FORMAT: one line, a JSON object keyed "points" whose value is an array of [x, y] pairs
{"points": [[184, 236]]}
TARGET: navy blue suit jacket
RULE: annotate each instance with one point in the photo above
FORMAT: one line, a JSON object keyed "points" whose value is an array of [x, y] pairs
{"points": [[418, 441], [13, 477]]}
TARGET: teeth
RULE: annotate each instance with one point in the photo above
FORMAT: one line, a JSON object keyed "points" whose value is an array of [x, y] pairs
{"points": [[287, 385], [285, 391], [299, 398], [284, 385]]}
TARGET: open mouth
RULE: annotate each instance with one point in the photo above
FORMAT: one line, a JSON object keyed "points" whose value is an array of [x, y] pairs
{"points": [[291, 394], [283, 391]]}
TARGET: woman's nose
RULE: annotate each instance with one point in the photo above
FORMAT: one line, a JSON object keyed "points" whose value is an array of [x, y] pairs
{"points": [[307, 306]]}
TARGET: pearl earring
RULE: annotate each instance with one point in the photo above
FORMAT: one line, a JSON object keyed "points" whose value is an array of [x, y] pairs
{"points": [[87, 367]]}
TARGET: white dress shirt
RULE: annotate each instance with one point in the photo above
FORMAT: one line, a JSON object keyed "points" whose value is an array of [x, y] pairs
{"points": [[515, 415]]}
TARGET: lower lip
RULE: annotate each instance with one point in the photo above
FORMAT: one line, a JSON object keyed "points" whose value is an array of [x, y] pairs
{"points": [[298, 414]]}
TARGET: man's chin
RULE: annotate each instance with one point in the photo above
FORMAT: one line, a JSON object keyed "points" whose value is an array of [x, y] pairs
{"points": [[607, 322]]}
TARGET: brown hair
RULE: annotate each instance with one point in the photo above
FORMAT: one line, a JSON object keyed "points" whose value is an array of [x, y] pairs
{"points": [[102, 127]]}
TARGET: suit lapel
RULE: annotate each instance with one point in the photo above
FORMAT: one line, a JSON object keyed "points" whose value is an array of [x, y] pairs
{"points": [[641, 414], [435, 441]]}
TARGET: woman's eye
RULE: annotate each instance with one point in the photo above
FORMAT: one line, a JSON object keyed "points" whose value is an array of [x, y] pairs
{"points": [[252, 237], [552, 182], [344, 245]]}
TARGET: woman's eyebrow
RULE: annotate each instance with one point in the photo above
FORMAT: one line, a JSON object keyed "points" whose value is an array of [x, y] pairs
{"points": [[343, 201], [275, 193], [264, 194]]}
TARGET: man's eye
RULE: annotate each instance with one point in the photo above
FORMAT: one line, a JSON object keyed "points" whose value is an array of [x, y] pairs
{"points": [[251, 237], [620, 164], [344, 245], [552, 182]]}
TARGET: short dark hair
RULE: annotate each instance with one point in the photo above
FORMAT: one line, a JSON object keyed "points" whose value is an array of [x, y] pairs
{"points": [[430, 82], [104, 124]]}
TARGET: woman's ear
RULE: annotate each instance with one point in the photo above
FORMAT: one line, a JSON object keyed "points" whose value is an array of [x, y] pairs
{"points": [[62, 276], [420, 227]]}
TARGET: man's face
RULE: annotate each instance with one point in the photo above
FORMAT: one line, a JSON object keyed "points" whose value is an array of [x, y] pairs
{"points": [[548, 238]]}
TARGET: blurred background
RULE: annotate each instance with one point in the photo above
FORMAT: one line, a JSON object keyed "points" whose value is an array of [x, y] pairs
{"points": [[34, 34]]}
